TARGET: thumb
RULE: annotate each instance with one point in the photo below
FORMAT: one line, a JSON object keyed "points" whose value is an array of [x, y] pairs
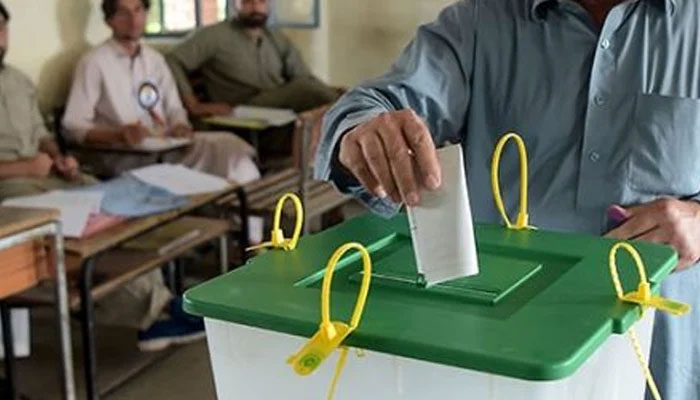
{"points": [[618, 213]]}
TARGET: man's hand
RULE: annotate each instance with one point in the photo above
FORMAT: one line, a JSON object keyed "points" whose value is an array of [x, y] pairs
{"points": [[392, 155], [667, 221], [182, 131], [68, 167], [40, 166], [133, 134]]}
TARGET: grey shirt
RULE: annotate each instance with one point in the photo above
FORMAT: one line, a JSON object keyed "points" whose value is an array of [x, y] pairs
{"points": [[609, 116]]}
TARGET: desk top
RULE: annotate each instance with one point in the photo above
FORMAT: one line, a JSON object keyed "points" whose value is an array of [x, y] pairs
{"points": [[148, 147], [16, 220], [232, 122], [85, 248]]}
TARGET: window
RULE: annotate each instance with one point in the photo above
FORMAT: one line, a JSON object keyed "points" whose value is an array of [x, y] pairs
{"points": [[177, 17]]}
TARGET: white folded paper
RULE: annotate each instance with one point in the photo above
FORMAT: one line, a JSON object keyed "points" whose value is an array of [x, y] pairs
{"points": [[180, 180], [441, 227], [75, 207], [157, 143]]}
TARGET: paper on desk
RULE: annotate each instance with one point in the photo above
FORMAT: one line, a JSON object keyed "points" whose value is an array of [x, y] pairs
{"points": [[180, 180], [270, 116], [441, 227], [155, 143], [75, 207]]}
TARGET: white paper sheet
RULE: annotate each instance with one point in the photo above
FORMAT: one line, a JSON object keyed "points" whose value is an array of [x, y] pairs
{"points": [[271, 116], [180, 180], [441, 227], [153, 143], [75, 207]]}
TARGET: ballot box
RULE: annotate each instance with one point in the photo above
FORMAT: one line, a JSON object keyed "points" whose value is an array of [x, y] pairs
{"points": [[541, 320]]}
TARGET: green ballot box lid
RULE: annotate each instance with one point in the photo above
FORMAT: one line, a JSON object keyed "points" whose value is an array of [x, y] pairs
{"points": [[542, 304]]}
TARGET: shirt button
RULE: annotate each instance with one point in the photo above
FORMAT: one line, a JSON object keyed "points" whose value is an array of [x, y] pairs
{"points": [[599, 100], [594, 156], [605, 44]]}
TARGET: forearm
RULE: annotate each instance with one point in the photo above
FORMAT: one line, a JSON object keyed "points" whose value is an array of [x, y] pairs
{"points": [[14, 169], [180, 75], [198, 109], [192, 104], [104, 135], [50, 147]]}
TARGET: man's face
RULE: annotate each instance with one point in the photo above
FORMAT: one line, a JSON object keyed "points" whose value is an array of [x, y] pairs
{"points": [[129, 22], [253, 13], [4, 38]]}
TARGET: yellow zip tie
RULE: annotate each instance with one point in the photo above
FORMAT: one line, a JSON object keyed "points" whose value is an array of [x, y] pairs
{"points": [[331, 334], [338, 371], [644, 299], [278, 241], [522, 223], [642, 295]]}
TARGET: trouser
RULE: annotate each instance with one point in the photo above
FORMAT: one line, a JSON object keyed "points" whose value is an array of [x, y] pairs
{"points": [[675, 350], [138, 304]]}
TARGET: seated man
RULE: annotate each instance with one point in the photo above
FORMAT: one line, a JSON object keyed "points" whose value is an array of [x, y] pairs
{"points": [[30, 160], [31, 163], [123, 92], [243, 62]]}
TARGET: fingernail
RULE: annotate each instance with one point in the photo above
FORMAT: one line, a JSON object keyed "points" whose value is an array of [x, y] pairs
{"points": [[433, 182], [412, 199], [381, 193]]}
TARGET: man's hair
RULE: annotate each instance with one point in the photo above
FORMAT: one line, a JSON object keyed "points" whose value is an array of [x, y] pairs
{"points": [[4, 12], [109, 7]]}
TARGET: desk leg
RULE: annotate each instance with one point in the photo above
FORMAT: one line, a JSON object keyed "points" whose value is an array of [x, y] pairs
{"points": [[9, 347], [63, 320], [245, 228], [223, 253], [87, 313]]}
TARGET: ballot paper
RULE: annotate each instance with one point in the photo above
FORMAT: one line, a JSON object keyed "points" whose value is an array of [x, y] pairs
{"points": [[75, 207], [269, 116], [442, 230], [157, 143], [180, 180]]}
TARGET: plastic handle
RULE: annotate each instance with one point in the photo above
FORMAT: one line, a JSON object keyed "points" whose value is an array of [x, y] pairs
{"points": [[278, 241], [522, 221]]}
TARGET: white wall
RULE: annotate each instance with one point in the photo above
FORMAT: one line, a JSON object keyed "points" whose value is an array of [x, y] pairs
{"points": [[367, 36], [358, 39], [48, 36]]}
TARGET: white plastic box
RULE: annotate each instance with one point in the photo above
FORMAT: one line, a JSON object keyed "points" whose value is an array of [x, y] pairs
{"points": [[249, 363]]}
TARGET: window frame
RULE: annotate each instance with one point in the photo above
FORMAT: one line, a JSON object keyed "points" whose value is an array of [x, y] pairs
{"points": [[275, 22]]}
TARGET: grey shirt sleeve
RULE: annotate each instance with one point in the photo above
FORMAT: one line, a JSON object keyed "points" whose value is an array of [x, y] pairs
{"points": [[431, 77]]}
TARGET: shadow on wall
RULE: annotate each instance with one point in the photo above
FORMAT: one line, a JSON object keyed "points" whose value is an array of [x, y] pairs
{"points": [[56, 75]]}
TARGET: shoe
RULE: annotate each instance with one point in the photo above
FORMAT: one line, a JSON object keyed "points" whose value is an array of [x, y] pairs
{"points": [[169, 332], [178, 313]]}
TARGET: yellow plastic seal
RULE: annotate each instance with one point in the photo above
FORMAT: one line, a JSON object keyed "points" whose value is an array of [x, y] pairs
{"points": [[278, 241], [523, 219], [331, 334], [642, 295], [644, 298]]}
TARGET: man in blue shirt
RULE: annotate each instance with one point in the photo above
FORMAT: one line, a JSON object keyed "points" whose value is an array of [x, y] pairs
{"points": [[606, 94]]}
